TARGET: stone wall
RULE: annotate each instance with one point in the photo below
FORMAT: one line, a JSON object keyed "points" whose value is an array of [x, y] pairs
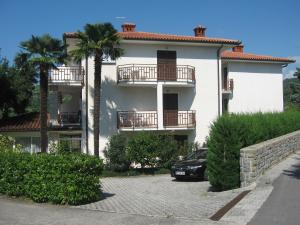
{"points": [[256, 159]]}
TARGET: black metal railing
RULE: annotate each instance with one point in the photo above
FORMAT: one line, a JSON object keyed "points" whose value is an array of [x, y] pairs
{"points": [[67, 118], [174, 118], [133, 120], [67, 74], [161, 72]]}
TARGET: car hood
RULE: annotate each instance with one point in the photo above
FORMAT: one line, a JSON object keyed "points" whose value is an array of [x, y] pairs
{"points": [[191, 162]]}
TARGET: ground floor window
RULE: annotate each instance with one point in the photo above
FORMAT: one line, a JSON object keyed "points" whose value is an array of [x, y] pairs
{"points": [[73, 141], [29, 144]]}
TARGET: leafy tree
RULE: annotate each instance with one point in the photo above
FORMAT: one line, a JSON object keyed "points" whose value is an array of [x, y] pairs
{"points": [[44, 53], [100, 41], [297, 73], [116, 153], [16, 85], [291, 93]]}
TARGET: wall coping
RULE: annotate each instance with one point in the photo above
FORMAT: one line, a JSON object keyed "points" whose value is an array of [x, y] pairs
{"points": [[268, 142]]}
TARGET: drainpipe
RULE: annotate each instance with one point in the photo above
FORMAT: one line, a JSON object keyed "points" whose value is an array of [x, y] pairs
{"points": [[218, 55], [86, 106]]}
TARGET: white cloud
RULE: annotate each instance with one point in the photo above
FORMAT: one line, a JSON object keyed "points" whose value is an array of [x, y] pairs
{"points": [[288, 72]]}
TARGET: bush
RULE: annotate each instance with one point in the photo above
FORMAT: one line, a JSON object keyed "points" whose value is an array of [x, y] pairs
{"points": [[151, 149], [61, 179], [116, 153], [7, 144], [232, 132]]}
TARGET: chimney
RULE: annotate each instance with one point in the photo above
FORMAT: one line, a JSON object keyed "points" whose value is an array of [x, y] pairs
{"points": [[199, 31], [128, 27], [239, 48]]}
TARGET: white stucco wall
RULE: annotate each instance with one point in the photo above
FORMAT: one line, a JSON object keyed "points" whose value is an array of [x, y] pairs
{"points": [[203, 97], [257, 87]]}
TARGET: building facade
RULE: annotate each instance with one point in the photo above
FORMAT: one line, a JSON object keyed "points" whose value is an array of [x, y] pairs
{"points": [[164, 83]]}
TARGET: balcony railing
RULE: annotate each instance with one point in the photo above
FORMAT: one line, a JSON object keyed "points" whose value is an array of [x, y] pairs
{"points": [[184, 119], [133, 120], [228, 86], [153, 73], [69, 74], [148, 119], [69, 118]]}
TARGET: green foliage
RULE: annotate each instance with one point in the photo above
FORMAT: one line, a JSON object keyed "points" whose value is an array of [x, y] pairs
{"points": [[135, 172], [232, 132], [117, 154], [62, 147], [60, 179], [297, 73], [152, 149], [291, 93], [16, 85], [7, 144]]}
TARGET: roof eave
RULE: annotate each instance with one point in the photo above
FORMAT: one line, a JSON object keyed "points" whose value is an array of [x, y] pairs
{"points": [[228, 59]]}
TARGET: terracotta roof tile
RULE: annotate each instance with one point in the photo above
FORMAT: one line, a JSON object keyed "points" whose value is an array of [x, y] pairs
{"points": [[25, 122], [247, 56], [166, 37]]}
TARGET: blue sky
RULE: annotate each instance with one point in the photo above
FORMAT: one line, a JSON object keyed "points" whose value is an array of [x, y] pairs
{"points": [[264, 26]]}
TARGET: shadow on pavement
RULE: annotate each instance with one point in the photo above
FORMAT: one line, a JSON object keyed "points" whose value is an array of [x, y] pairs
{"points": [[106, 195]]}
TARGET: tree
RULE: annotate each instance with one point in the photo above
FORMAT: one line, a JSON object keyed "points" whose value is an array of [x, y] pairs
{"points": [[16, 85], [100, 41], [297, 73], [44, 53]]}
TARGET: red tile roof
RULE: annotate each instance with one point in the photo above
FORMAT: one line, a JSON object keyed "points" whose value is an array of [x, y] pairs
{"points": [[25, 122], [247, 56], [166, 37]]}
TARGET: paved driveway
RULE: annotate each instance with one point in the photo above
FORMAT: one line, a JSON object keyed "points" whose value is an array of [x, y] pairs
{"points": [[160, 195]]}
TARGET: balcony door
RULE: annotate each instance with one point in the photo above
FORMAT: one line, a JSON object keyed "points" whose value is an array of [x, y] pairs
{"points": [[170, 103], [166, 65]]}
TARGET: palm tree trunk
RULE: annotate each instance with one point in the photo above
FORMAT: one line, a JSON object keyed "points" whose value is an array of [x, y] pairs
{"points": [[97, 90], [43, 108]]}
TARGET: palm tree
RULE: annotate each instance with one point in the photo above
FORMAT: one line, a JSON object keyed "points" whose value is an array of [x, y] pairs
{"points": [[44, 53], [297, 73], [100, 41]]}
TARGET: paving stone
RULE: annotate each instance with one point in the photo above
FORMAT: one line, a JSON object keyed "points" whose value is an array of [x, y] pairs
{"points": [[160, 195]]}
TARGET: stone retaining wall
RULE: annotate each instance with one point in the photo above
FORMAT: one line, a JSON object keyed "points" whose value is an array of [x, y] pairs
{"points": [[256, 159]]}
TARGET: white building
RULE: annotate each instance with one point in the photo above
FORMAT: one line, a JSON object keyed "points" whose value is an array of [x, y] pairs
{"points": [[163, 83]]}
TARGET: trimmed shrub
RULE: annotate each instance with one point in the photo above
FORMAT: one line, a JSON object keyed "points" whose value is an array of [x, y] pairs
{"points": [[151, 149], [62, 179], [230, 133], [116, 153]]}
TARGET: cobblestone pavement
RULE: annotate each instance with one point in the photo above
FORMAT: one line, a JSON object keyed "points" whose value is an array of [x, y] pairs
{"points": [[160, 196]]}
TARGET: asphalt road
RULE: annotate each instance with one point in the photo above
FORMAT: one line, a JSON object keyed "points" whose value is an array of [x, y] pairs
{"points": [[283, 205]]}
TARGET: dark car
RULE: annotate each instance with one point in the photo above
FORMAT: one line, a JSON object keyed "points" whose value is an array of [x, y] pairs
{"points": [[193, 166]]}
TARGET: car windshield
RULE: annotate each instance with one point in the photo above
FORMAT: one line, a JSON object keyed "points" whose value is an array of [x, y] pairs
{"points": [[200, 154]]}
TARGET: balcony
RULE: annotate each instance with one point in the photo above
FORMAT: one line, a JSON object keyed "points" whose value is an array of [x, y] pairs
{"points": [[147, 74], [131, 120], [228, 87], [179, 119], [147, 120], [66, 75]]}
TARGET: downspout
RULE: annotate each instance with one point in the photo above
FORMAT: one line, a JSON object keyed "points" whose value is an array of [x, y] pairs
{"points": [[218, 55], [86, 106]]}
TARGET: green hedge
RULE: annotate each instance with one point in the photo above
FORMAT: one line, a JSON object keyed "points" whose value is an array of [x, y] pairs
{"points": [[232, 132], [62, 179]]}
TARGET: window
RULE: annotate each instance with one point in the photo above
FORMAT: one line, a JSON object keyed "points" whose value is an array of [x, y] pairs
{"points": [[25, 142], [35, 144], [74, 141], [29, 144]]}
